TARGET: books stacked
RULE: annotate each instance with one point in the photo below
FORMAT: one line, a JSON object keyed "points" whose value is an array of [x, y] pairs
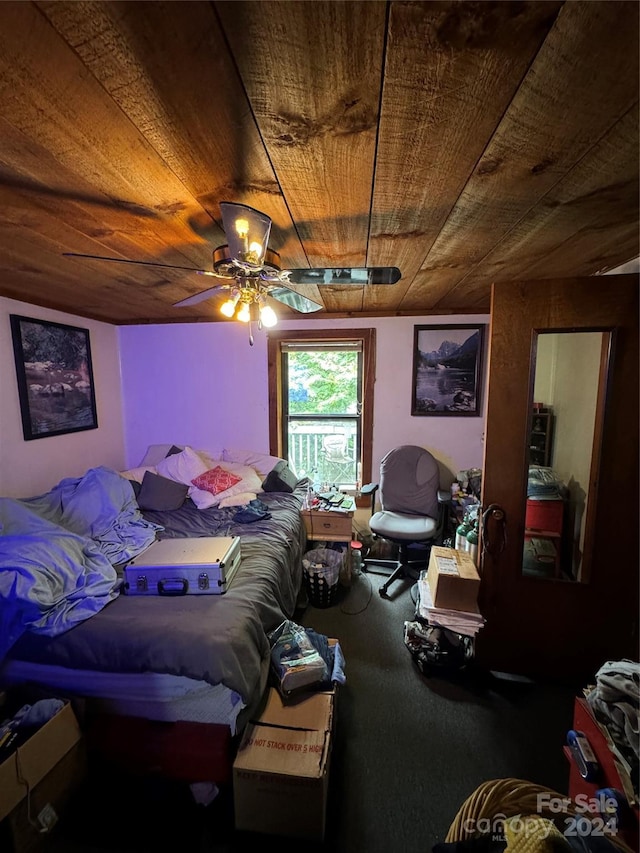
{"points": [[460, 621]]}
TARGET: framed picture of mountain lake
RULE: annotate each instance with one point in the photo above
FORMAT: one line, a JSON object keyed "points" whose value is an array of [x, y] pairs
{"points": [[55, 377], [446, 370]]}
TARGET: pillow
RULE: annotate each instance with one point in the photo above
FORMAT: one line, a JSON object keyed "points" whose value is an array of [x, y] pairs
{"points": [[137, 474], [160, 493], [210, 459], [242, 499], [155, 453], [249, 482], [182, 467], [262, 462], [281, 479], [216, 480]]}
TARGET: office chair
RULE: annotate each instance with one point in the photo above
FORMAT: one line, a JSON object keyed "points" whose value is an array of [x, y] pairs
{"points": [[413, 509]]}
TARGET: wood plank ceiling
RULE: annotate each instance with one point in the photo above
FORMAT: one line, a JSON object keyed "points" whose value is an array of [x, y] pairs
{"points": [[464, 142]]}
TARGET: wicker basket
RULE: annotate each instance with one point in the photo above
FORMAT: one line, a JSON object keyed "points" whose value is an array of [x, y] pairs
{"points": [[506, 798]]}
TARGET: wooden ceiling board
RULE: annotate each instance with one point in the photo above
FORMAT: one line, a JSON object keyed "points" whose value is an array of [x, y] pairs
{"points": [[314, 87], [126, 47], [527, 157], [67, 111], [465, 142], [451, 71], [592, 202]]}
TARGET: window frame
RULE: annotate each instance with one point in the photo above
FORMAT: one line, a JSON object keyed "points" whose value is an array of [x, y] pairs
{"points": [[367, 338]]}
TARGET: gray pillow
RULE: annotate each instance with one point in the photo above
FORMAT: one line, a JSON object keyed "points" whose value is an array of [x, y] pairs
{"points": [[281, 479], [161, 493]]}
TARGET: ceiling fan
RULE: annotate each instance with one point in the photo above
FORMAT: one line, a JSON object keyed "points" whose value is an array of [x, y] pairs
{"points": [[250, 271]]}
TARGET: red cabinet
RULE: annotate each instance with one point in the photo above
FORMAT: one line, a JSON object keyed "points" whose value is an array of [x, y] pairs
{"points": [[609, 776]]}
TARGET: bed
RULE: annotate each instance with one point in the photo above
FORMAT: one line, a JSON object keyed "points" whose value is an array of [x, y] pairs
{"points": [[201, 660]]}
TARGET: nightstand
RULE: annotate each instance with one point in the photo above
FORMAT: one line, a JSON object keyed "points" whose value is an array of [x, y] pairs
{"points": [[335, 525]]}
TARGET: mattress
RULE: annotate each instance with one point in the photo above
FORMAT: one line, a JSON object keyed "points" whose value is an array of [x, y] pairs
{"points": [[151, 695], [188, 658]]}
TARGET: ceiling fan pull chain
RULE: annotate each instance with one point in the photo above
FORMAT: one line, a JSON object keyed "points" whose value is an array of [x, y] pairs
{"points": [[250, 334]]}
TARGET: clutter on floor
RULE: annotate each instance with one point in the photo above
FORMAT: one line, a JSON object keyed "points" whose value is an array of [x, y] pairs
{"points": [[281, 770], [447, 617]]}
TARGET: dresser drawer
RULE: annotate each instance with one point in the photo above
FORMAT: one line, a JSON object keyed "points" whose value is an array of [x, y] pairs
{"points": [[327, 525]]}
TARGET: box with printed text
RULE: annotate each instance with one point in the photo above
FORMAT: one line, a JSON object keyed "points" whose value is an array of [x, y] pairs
{"points": [[281, 771], [453, 579]]}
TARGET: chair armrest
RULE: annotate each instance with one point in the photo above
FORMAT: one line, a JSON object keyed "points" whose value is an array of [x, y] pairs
{"points": [[370, 489]]}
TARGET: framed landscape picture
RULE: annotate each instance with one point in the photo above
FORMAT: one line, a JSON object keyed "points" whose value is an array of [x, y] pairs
{"points": [[55, 377], [446, 370]]}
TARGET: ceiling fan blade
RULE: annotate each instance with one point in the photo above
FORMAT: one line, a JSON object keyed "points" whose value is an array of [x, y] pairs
{"points": [[348, 275], [200, 297], [294, 300], [141, 263]]}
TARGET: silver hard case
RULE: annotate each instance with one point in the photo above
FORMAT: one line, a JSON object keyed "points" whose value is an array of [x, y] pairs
{"points": [[201, 566]]}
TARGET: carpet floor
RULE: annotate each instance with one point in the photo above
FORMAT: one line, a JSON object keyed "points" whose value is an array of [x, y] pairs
{"points": [[408, 750]]}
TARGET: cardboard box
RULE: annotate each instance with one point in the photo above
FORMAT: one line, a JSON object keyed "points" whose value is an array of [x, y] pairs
{"points": [[453, 580], [49, 801], [46, 769], [31, 762], [281, 771]]}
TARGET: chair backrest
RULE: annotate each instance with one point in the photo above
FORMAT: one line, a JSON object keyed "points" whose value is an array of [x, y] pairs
{"points": [[334, 446], [409, 481]]}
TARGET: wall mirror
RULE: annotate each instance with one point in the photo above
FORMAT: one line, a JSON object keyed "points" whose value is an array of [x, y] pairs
{"points": [[570, 370]]}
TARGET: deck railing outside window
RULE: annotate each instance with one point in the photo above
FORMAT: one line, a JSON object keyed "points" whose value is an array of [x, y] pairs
{"points": [[325, 451]]}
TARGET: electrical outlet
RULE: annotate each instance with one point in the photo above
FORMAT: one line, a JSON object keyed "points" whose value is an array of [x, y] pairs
{"points": [[47, 818]]}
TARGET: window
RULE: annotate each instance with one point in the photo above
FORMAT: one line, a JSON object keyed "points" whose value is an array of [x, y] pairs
{"points": [[321, 403]]}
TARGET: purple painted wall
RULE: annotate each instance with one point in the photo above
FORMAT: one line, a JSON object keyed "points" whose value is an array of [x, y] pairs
{"points": [[202, 384]]}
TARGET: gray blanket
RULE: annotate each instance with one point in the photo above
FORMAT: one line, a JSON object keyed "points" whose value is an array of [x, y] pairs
{"points": [[57, 553], [218, 639]]}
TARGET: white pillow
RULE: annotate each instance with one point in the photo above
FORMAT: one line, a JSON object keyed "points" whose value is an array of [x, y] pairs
{"points": [[210, 459], [238, 500], [209, 453], [156, 453], [182, 467], [137, 474], [203, 499], [262, 462]]}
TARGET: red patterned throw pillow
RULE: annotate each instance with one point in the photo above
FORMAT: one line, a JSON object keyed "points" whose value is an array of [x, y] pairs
{"points": [[215, 480]]}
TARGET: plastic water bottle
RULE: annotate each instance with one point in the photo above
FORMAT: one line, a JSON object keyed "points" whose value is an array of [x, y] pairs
{"points": [[356, 560]]}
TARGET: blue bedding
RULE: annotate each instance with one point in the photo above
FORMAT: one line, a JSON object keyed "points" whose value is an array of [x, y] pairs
{"points": [[220, 639], [58, 552]]}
